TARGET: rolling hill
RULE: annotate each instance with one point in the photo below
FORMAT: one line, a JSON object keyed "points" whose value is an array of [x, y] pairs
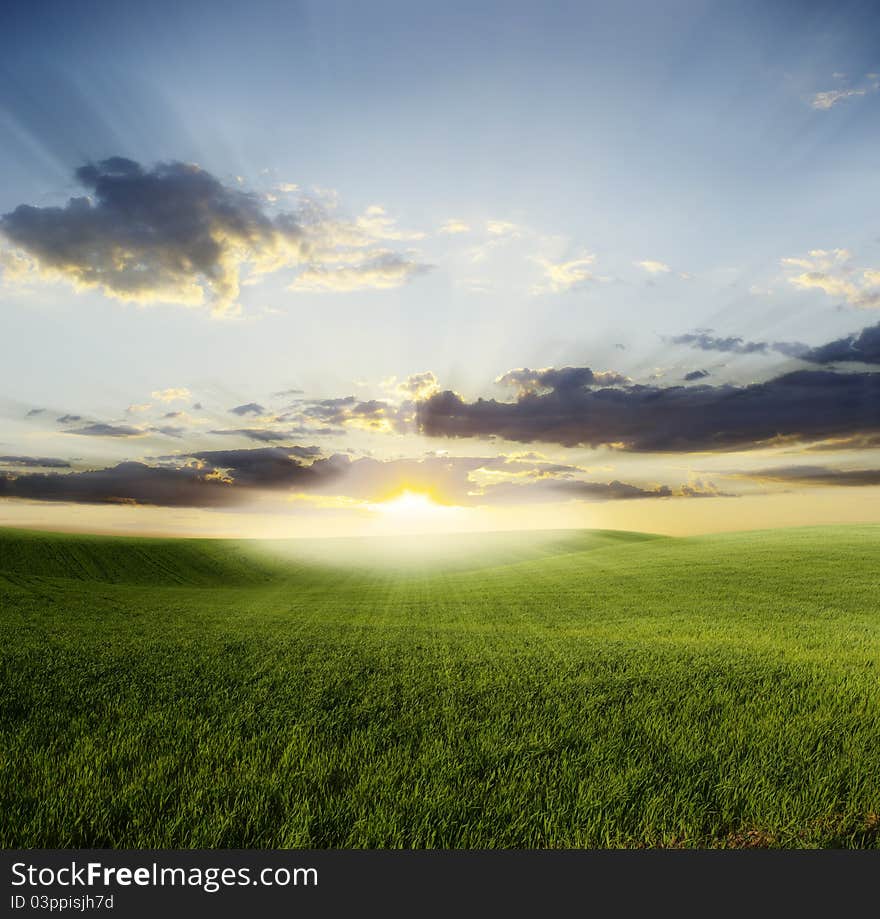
{"points": [[552, 689]]}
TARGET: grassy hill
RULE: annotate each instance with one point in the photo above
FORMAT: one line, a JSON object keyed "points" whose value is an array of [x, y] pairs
{"points": [[574, 688]]}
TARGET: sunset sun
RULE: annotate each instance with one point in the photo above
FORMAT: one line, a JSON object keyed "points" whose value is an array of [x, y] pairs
{"points": [[410, 509]]}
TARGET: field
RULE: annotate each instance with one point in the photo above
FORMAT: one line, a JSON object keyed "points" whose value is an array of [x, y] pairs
{"points": [[567, 689]]}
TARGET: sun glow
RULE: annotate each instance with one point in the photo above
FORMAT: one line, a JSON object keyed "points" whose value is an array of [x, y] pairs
{"points": [[410, 504], [416, 511]]}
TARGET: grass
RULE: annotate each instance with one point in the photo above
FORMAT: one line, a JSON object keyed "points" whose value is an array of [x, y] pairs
{"points": [[579, 689]]}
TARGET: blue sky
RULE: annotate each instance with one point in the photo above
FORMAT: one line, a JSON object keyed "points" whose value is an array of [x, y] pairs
{"points": [[618, 176]]}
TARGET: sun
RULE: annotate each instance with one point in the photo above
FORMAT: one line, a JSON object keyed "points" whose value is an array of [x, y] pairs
{"points": [[408, 503], [410, 511]]}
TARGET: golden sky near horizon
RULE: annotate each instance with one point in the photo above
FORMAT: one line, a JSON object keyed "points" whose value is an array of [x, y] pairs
{"points": [[824, 506]]}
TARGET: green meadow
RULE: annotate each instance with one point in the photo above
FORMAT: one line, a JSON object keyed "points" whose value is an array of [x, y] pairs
{"points": [[563, 689]]}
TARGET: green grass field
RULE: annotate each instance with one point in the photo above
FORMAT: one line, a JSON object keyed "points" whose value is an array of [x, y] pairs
{"points": [[568, 689]]}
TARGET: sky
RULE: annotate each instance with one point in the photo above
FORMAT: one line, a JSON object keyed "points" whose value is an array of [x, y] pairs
{"points": [[293, 269]]}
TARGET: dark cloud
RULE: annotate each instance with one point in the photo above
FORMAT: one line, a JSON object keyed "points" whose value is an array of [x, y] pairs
{"points": [[230, 457], [69, 419], [34, 412], [372, 413], [804, 405], [99, 429], [274, 467], [818, 475], [331, 416], [46, 462], [218, 479], [696, 375], [863, 347], [705, 341], [790, 349], [127, 483], [165, 233], [559, 379], [197, 406], [548, 491], [249, 408], [176, 233]]}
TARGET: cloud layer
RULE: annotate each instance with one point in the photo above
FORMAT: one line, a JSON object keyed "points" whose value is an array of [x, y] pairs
{"points": [[804, 405], [859, 347], [223, 478], [818, 475]]}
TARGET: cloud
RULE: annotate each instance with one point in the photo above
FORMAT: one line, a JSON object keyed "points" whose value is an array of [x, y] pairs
{"points": [[832, 272], [863, 347], [99, 429], [172, 233], [733, 344], [347, 411], [823, 101], [858, 347], [375, 223], [320, 417], [175, 233], [818, 259], [249, 408], [172, 395], [380, 271], [273, 467], [527, 381], [219, 478], [817, 475], [804, 405], [696, 375], [127, 483], [45, 462], [17, 266], [452, 227], [826, 100], [69, 419], [34, 412], [654, 267], [847, 442], [211, 479], [563, 276], [169, 430], [417, 386], [544, 491], [473, 481]]}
